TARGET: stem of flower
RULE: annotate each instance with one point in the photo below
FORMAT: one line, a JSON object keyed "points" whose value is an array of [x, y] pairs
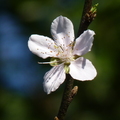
{"points": [[68, 95]]}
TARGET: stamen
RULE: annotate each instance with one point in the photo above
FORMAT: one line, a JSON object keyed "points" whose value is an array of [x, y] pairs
{"points": [[43, 62], [48, 62]]}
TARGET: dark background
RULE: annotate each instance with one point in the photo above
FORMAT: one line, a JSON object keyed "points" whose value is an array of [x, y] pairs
{"points": [[21, 90]]}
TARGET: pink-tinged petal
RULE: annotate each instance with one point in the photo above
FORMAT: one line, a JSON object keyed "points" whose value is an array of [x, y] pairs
{"points": [[42, 46], [82, 69], [62, 31], [83, 43], [54, 78]]}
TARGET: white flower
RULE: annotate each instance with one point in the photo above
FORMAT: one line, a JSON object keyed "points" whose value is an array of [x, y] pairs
{"points": [[65, 53]]}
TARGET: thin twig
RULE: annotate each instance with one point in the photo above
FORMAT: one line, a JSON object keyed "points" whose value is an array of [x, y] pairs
{"points": [[67, 97], [85, 20]]}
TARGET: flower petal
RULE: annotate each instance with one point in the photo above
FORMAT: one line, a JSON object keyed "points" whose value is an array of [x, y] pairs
{"points": [[62, 31], [83, 43], [54, 78], [82, 69], [42, 46]]}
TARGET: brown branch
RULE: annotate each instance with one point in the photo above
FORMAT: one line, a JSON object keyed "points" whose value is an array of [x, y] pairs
{"points": [[66, 104], [68, 95], [87, 17]]}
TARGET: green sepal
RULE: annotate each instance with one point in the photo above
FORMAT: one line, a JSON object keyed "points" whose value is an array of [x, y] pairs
{"points": [[66, 68], [54, 61]]}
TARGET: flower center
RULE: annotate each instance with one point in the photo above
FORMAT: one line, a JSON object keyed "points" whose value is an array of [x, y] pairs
{"points": [[64, 55]]}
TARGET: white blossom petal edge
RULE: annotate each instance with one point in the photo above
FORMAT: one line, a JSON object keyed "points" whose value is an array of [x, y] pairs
{"points": [[65, 53], [54, 78]]}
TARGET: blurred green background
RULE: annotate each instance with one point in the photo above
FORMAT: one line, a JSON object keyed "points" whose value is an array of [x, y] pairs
{"points": [[21, 91]]}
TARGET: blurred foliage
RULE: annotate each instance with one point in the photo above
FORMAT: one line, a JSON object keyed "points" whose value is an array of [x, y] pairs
{"points": [[96, 100]]}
